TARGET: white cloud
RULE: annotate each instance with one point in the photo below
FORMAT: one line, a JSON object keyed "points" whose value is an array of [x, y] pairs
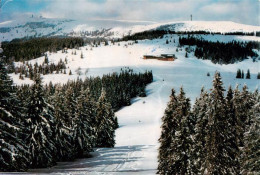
{"points": [[246, 11]]}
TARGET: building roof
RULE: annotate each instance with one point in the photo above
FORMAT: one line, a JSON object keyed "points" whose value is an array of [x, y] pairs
{"points": [[161, 56]]}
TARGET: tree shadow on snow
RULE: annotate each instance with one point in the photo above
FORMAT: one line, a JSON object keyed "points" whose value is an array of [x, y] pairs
{"points": [[102, 157]]}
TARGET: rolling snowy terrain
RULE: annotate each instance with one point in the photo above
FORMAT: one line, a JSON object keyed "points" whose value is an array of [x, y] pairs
{"points": [[136, 146], [39, 27]]}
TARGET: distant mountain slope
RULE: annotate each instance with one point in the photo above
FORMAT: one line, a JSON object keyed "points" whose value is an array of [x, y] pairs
{"points": [[190, 26], [32, 27], [38, 27]]}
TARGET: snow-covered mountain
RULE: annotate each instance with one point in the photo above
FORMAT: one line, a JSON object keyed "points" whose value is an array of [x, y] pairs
{"points": [[38, 27]]}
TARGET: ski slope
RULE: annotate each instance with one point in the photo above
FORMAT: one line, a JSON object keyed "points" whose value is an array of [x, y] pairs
{"points": [[137, 137]]}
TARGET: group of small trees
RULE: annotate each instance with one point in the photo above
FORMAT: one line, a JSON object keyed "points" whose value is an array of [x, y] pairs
{"points": [[218, 52], [240, 74], [41, 125], [30, 71], [220, 135]]}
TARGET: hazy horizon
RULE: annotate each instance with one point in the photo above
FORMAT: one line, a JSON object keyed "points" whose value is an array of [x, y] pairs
{"points": [[136, 11]]}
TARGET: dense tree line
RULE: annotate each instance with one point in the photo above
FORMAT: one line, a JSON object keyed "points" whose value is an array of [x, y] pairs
{"points": [[150, 34], [219, 135], [24, 49], [243, 33], [218, 52], [153, 34], [41, 125]]}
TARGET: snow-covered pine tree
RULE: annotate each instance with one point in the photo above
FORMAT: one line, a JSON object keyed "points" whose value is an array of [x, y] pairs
{"points": [[84, 133], [243, 102], [40, 128], [248, 103], [237, 104], [70, 107], [232, 141], [181, 142], [13, 152], [112, 116], [250, 153], [200, 113], [62, 133], [104, 123], [218, 159], [168, 126]]}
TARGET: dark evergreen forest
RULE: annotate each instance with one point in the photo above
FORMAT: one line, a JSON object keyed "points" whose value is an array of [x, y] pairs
{"points": [[153, 34], [218, 52], [219, 134], [43, 124], [27, 49]]}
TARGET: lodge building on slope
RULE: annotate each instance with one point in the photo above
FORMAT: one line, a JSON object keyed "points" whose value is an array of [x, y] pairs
{"points": [[162, 57]]}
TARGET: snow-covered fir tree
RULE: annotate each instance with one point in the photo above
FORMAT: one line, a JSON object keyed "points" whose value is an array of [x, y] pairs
{"points": [[40, 128], [181, 142], [232, 141], [105, 125], [84, 133], [219, 158], [200, 113], [112, 116], [250, 153], [62, 133], [70, 104], [248, 103], [243, 102], [237, 105], [168, 127], [13, 152]]}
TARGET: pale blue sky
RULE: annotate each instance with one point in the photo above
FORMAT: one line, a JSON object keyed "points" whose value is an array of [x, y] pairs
{"points": [[242, 11]]}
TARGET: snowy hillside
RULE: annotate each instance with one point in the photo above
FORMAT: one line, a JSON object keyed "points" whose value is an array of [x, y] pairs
{"points": [[123, 54], [32, 27], [137, 138], [38, 27], [189, 26]]}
